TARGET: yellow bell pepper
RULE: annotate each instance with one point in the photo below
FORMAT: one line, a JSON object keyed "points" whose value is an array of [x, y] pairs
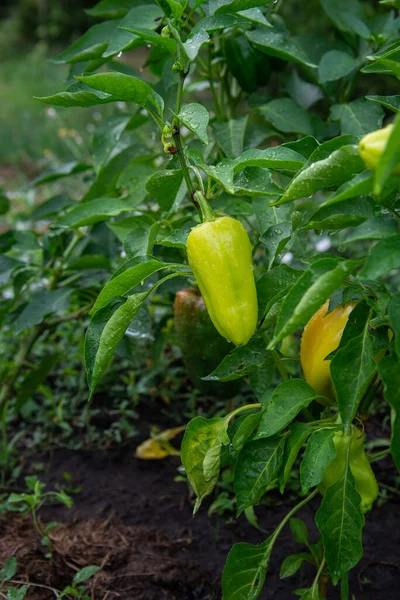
{"points": [[220, 256], [321, 336]]}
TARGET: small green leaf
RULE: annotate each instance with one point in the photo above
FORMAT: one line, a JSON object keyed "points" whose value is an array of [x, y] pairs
{"points": [[320, 452], [245, 570], [203, 439], [359, 185], [195, 117], [164, 186], [313, 287], [93, 211], [390, 102], [86, 573], [287, 400], [275, 42], [335, 65], [299, 528], [383, 257], [340, 522], [287, 116], [257, 466], [9, 569], [230, 136], [128, 276], [292, 564], [299, 432], [358, 117], [352, 370], [240, 361], [64, 170], [334, 170], [347, 213], [41, 305]]}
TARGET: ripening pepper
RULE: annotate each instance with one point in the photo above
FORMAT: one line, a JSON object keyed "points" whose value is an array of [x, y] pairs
{"points": [[203, 348], [220, 256], [360, 467], [373, 144], [321, 336]]}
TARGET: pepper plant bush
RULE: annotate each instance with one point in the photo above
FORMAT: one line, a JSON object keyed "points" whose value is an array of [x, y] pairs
{"points": [[255, 110]]}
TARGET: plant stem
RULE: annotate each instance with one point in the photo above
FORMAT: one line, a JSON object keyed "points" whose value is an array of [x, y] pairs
{"points": [[242, 408], [183, 163], [344, 587], [212, 86], [290, 515], [379, 455]]}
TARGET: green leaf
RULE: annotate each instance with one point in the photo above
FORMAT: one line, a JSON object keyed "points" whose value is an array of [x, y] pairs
{"points": [[17, 593], [140, 242], [394, 320], [299, 433], [4, 203], [203, 439], [320, 452], [347, 213], [359, 185], [315, 285], [240, 361], [257, 466], [232, 6], [87, 213], [112, 9], [376, 228], [9, 569], [77, 95], [230, 136], [128, 276], [125, 88], [390, 102], [383, 257], [358, 117], [86, 573], [244, 431], [336, 64], [279, 158], [91, 45], [276, 238], [255, 181], [298, 527], [273, 285], [287, 116], [41, 305], [7, 266], [340, 522], [389, 371], [389, 160], [177, 7], [32, 379], [106, 329], [352, 370], [245, 570], [64, 170], [334, 170], [195, 117], [105, 138], [164, 186], [287, 400], [274, 42], [347, 16], [292, 564]]}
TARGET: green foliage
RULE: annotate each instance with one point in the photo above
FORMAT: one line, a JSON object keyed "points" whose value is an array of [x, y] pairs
{"points": [[221, 106]]}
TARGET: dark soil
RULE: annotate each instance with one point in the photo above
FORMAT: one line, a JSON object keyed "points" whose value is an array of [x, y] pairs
{"points": [[135, 522]]}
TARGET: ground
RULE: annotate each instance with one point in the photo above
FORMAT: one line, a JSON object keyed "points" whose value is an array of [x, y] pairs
{"points": [[135, 521]]}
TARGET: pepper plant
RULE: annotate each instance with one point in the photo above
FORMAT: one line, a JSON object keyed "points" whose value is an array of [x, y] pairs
{"points": [[237, 146]]}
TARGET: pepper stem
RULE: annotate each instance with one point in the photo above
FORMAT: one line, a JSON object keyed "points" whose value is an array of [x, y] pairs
{"points": [[207, 213]]}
